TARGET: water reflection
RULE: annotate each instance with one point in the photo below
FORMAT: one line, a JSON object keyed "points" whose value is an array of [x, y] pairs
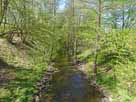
{"points": [[71, 85]]}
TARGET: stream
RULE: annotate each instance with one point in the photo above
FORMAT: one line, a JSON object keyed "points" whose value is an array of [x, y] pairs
{"points": [[70, 85]]}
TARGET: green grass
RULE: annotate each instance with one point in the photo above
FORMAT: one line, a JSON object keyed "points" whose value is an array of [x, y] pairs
{"points": [[119, 83], [22, 72]]}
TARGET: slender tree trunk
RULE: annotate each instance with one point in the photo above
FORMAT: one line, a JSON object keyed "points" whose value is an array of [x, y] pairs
{"points": [[53, 14], [100, 14], [71, 32], [4, 7], [72, 28], [97, 37], [123, 15], [0, 7]]}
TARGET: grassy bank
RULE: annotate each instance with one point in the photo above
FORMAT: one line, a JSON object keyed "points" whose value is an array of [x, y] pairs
{"points": [[19, 71]]}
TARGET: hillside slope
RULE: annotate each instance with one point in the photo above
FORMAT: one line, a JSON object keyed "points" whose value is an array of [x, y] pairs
{"points": [[17, 75]]}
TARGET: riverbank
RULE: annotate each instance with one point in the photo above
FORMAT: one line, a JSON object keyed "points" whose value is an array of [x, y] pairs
{"points": [[105, 94], [19, 72], [72, 84]]}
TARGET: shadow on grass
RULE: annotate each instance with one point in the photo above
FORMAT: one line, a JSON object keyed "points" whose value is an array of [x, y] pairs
{"points": [[107, 80], [18, 81], [4, 65]]}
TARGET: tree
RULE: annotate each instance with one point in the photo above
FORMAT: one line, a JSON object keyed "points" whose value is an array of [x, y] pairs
{"points": [[98, 30], [4, 7]]}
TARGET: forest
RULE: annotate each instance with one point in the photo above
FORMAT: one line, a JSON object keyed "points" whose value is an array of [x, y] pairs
{"points": [[67, 50]]}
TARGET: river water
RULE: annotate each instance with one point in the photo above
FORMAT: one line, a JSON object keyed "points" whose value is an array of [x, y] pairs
{"points": [[70, 85]]}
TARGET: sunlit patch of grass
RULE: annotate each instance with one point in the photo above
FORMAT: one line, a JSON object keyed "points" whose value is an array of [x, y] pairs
{"points": [[4, 93]]}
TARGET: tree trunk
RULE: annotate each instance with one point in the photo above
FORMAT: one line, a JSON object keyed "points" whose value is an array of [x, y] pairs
{"points": [[123, 15], [4, 7], [97, 37]]}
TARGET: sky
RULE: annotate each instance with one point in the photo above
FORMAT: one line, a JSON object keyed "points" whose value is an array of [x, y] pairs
{"points": [[62, 4]]}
